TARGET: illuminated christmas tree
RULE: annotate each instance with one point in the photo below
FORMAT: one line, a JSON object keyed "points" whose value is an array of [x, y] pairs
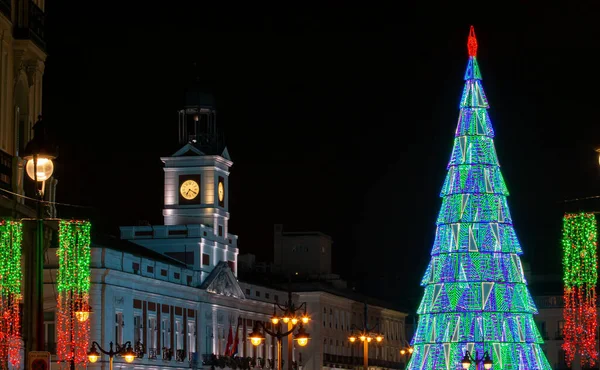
{"points": [[476, 298]]}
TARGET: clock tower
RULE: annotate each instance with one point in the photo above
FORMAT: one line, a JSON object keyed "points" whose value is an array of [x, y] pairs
{"points": [[196, 176]]}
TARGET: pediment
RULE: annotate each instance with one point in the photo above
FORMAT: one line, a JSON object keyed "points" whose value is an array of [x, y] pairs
{"points": [[187, 150], [222, 281]]}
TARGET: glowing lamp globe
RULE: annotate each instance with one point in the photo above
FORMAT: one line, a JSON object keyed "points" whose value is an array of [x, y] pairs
{"points": [[294, 321], [369, 339], [362, 338], [402, 352], [305, 319], [302, 337], [256, 337], [275, 320], [45, 169], [286, 319], [466, 362], [379, 338], [82, 316], [352, 339], [410, 350], [487, 362], [93, 354]]}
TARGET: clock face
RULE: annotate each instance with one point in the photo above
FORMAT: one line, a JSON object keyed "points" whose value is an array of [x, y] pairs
{"points": [[189, 189], [221, 192]]}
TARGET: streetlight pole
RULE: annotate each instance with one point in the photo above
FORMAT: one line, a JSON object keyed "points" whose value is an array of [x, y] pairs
{"points": [[302, 337], [366, 335], [126, 352], [293, 320], [39, 153]]}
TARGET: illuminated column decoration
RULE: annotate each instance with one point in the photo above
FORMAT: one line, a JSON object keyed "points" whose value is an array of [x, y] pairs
{"points": [[475, 294], [11, 235], [73, 285], [580, 266]]}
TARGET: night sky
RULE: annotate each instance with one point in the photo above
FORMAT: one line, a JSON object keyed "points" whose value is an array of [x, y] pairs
{"points": [[338, 119]]}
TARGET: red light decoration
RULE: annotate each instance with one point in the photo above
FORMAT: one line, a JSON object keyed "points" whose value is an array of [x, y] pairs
{"points": [[580, 276], [472, 43], [73, 282], [11, 235]]}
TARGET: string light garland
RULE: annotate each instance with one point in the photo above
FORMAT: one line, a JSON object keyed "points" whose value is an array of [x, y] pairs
{"points": [[73, 286], [475, 294], [580, 266], [11, 236]]}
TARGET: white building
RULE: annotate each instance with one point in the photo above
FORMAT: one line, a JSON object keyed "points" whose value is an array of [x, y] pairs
{"points": [[174, 287]]}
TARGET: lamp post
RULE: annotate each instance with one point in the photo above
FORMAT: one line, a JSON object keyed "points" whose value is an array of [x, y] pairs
{"points": [[468, 360], [366, 335], [290, 317], [39, 153], [406, 352], [127, 353]]}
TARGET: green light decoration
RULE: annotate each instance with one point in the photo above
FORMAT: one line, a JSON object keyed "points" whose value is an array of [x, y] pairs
{"points": [[580, 266], [11, 236], [73, 285], [475, 294]]}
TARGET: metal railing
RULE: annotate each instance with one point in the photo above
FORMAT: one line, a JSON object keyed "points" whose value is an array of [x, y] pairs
{"points": [[167, 354], [354, 360], [180, 355]]}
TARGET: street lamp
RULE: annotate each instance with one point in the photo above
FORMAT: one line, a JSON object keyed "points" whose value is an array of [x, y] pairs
{"points": [[127, 353], [82, 311], [257, 337], [365, 335], [292, 319], [39, 154], [468, 360]]}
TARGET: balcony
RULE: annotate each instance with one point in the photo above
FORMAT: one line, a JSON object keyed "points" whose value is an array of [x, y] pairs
{"points": [[31, 25], [5, 169], [180, 355]]}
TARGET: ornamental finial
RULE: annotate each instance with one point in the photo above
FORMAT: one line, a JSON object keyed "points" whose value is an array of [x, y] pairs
{"points": [[472, 43]]}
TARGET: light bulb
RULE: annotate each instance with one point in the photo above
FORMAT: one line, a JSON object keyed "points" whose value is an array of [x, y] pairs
{"points": [[255, 341], [294, 321], [93, 358], [302, 342]]}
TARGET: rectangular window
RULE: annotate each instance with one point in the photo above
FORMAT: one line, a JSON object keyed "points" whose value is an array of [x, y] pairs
{"points": [[119, 328], [191, 333], [176, 275], [165, 333], [152, 333], [137, 327], [205, 259], [150, 269], [231, 265], [220, 230], [247, 291], [189, 279], [257, 293], [135, 266], [163, 272], [267, 295], [178, 335]]}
